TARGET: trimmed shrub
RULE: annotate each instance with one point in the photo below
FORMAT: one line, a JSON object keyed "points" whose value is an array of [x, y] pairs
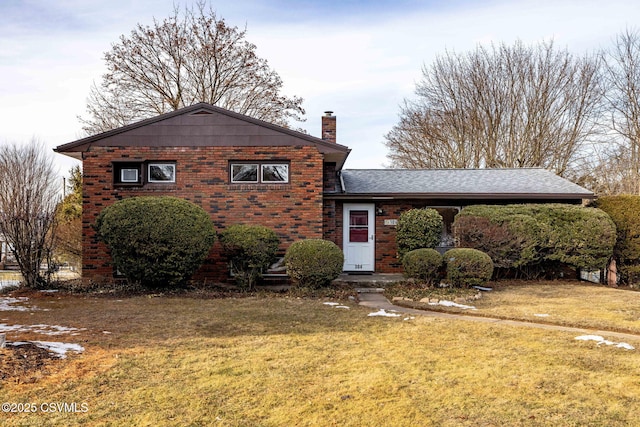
{"points": [[530, 237], [250, 250], [156, 241], [467, 267], [422, 264], [313, 263], [510, 241], [624, 211], [417, 229]]}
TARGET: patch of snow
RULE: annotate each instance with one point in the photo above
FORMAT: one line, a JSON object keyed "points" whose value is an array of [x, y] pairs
{"points": [[383, 313], [331, 303], [408, 318], [41, 329], [49, 290], [541, 315], [106, 332], [342, 306], [625, 346], [600, 340], [9, 284], [59, 348], [482, 288], [453, 304], [7, 304]]}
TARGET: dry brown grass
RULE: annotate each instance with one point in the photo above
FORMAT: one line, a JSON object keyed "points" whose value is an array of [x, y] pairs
{"points": [[567, 303], [261, 361]]}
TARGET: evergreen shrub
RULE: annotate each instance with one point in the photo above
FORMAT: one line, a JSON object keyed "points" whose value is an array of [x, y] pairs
{"points": [[422, 264], [467, 267], [156, 241], [250, 249], [417, 229], [313, 263], [528, 237], [624, 210]]}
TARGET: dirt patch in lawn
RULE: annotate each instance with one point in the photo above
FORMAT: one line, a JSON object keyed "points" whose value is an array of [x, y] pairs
{"points": [[24, 363]]}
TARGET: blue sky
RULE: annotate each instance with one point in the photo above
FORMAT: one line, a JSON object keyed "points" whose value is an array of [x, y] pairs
{"points": [[357, 58]]}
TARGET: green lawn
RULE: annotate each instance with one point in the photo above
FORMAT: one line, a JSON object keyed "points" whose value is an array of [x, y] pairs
{"points": [[276, 361]]}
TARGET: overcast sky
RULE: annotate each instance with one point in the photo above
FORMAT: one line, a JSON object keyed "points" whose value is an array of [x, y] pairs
{"points": [[357, 58]]}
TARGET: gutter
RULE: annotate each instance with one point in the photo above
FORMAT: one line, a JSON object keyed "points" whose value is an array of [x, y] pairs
{"points": [[463, 196]]}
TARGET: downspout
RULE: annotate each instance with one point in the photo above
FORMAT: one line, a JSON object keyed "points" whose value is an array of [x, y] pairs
{"points": [[342, 189]]}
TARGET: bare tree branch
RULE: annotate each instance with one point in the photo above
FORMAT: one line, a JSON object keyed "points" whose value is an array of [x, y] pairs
{"points": [[190, 57], [507, 106], [28, 200], [622, 74]]}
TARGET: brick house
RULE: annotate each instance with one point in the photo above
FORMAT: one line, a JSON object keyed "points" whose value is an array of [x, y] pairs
{"points": [[243, 170]]}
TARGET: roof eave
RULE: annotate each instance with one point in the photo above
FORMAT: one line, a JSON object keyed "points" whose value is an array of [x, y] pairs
{"points": [[465, 196]]}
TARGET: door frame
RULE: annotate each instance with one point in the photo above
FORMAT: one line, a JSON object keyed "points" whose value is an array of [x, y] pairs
{"points": [[370, 208]]}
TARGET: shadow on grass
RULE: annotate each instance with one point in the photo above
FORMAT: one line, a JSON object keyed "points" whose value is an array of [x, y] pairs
{"points": [[124, 322]]}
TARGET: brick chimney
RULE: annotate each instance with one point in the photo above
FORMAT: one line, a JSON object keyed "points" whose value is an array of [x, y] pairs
{"points": [[329, 126]]}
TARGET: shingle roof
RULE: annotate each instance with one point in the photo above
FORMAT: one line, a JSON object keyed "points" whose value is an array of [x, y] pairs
{"points": [[523, 182]]}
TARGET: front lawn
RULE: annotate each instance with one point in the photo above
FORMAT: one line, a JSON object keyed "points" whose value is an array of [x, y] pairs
{"points": [[274, 361], [568, 303]]}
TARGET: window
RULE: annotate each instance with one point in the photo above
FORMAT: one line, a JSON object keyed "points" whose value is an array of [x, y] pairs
{"points": [[359, 226], [162, 172], [275, 173], [136, 173], [244, 173], [267, 173]]}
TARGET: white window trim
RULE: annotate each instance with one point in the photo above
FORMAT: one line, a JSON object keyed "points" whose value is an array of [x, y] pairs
{"points": [[262, 165], [245, 164], [154, 181], [128, 181]]}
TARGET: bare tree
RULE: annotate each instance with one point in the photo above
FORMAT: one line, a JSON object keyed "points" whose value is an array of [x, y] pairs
{"points": [[622, 76], [28, 199], [185, 59], [506, 106], [68, 236]]}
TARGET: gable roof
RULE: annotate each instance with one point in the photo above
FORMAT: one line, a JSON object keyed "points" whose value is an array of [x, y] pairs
{"points": [[518, 183], [204, 125]]}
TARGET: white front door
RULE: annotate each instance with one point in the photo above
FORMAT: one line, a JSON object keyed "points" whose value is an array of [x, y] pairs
{"points": [[359, 237]]}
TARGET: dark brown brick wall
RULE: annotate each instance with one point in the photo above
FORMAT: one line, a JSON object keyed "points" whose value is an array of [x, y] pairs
{"points": [[293, 210]]}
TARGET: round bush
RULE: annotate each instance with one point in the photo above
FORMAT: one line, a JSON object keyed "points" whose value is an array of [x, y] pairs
{"points": [[418, 228], [468, 267], [156, 241], [422, 264], [313, 262], [250, 250]]}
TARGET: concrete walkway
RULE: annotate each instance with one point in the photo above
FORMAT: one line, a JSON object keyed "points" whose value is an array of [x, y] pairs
{"points": [[373, 298]]}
